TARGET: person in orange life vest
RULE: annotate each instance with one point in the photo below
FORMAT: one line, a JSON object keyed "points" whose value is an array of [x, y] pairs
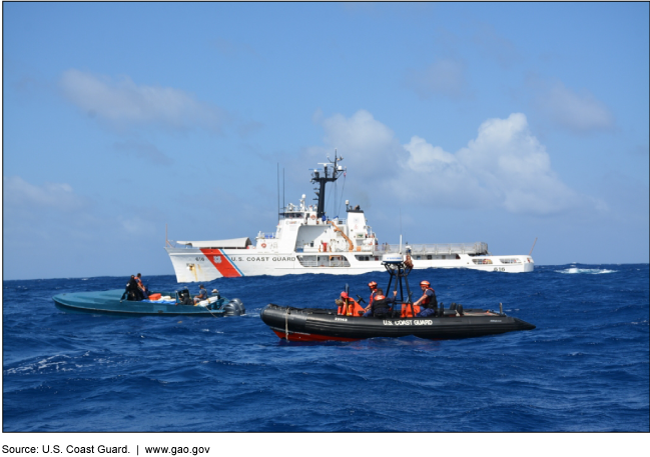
{"points": [[141, 287], [132, 291], [348, 306], [427, 301], [380, 307], [373, 292]]}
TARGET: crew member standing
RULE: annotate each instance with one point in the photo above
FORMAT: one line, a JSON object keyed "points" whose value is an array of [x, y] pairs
{"points": [[373, 293], [142, 289], [131, 292]]}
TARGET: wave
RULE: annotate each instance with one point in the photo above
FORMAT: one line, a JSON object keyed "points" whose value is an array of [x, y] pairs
{"points": [[65, 372], [591, 271]]}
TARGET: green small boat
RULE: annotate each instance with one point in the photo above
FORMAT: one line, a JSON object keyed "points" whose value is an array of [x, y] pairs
{"points": [[114, 302]]}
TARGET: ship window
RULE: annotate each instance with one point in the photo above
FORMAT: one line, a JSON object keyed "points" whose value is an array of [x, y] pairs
{"points": [[510, 261], [482, 261], [323, 261]]}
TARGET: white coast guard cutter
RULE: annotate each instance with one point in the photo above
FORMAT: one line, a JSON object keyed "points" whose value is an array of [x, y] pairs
{"points": [[307, 241]]}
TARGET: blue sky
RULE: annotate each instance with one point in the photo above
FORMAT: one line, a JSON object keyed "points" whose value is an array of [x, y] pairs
{"points": [[458, 122]]}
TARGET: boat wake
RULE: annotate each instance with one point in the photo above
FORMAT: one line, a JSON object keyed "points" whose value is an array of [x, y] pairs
{"points": [[591, 271]]}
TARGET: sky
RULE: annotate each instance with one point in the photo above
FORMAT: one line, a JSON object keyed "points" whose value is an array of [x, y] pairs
{"points": [[457, 122]]}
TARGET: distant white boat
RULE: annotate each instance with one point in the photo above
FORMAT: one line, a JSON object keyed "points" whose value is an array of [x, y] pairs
{"points": [[307, 241]]}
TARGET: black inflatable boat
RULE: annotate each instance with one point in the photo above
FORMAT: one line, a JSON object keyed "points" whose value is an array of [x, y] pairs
{"points": [[318, 324]]}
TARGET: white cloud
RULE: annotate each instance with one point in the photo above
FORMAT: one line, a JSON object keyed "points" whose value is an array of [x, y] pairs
{"points": [[579, 113], [426, 158], [504, 166], [365, 143], [135, 225], [123, 103], [20, 194], [430, 174], [443, 77]]}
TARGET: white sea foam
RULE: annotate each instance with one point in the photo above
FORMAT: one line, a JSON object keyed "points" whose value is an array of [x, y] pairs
{"points": [[591, 271], [48, 364]]}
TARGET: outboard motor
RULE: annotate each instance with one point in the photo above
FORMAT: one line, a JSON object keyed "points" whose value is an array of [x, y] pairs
{"points": [[234, 307], [183, 297]]}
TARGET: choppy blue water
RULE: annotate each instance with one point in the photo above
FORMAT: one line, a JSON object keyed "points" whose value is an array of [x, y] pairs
{"points": [[585, 367]]}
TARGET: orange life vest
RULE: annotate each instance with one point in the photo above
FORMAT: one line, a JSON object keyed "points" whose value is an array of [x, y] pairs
{"points": [[409, 310], [425, 301], [350, 307]]}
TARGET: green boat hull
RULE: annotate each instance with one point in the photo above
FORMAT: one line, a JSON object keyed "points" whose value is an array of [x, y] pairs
{"points": [[110, 302]]}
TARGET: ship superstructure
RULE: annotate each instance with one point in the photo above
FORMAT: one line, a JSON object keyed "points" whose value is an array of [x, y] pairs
{"points": [[307, 241]]}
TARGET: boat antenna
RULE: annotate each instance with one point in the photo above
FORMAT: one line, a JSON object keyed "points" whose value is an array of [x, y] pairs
{"points": [[338, 208], [278, 181], [167, 240], [400, 230], [531, 249], [347, 299]]}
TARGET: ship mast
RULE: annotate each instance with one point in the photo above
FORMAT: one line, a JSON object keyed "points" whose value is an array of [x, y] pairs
{"points": [[330, 173]]}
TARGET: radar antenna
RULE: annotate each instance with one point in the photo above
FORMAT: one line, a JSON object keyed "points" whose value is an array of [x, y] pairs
{"points": [[331, 172]]}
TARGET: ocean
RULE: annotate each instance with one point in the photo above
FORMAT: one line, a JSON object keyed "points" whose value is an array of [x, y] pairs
{"points": [[585, 368]]}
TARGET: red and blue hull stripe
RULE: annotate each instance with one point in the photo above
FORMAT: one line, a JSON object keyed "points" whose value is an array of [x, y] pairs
{"points": [[222, 263]]}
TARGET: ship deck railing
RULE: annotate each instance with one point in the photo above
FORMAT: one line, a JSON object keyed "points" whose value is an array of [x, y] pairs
{"points": [[414, 249], [323, 261], [445, 248]]}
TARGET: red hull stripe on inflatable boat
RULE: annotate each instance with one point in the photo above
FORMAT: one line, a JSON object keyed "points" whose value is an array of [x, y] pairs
{"points": [[308, 337], [222, 263]]}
